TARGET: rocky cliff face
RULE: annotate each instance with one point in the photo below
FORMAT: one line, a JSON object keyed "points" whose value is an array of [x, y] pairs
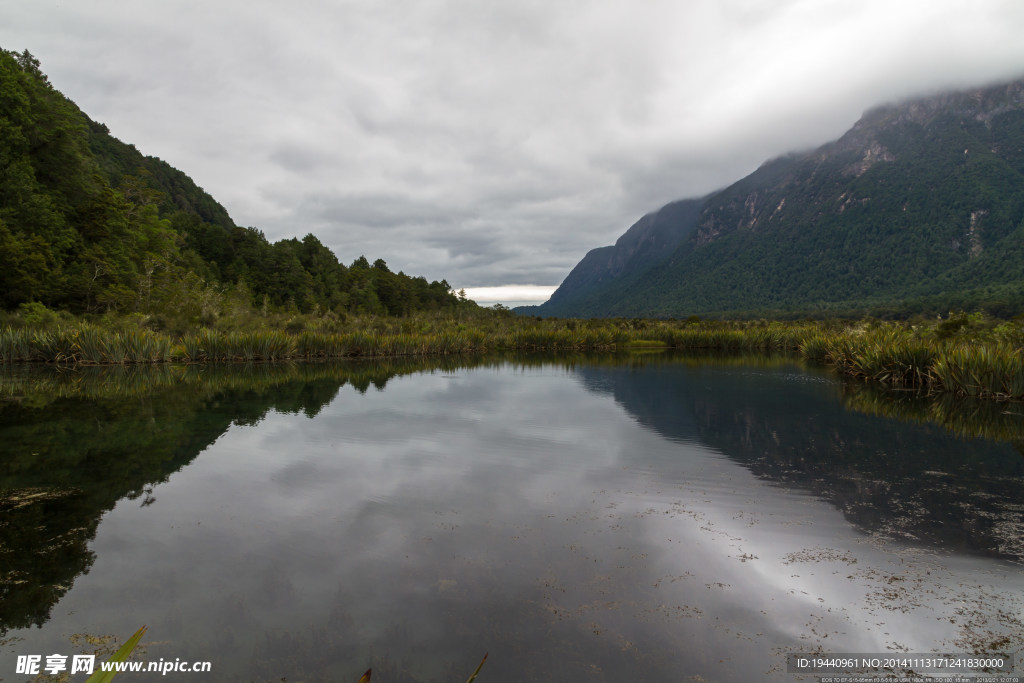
{"points": [[919, 204]]}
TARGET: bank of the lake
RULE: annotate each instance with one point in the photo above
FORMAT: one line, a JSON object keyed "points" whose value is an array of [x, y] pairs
{"points": [[964, 355]]}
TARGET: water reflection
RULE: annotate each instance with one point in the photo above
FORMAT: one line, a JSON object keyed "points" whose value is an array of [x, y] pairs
{"points": [[76, 441], [786, 426], [509, 507]]}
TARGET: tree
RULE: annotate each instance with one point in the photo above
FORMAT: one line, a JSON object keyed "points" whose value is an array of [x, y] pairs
{"points": [[89, 223]]}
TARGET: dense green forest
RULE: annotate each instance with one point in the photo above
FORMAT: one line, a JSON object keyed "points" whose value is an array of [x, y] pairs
{"points": [[918, 209], [90, 225]]}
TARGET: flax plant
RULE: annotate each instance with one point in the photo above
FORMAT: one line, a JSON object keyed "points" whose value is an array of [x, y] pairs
{"points": [[15, 345], [971, 357], [886, 355], [54, 346], [815, 348], [90, 344], [995, 371]]}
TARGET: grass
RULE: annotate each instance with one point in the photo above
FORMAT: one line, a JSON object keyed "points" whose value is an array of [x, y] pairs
{"points": [[887, 355], [985, 366], [89, 344], [995, 370], [964, 355]]}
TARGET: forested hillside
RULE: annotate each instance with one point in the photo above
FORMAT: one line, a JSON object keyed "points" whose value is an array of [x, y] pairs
{"points": [[919, 208], [89, 224]]}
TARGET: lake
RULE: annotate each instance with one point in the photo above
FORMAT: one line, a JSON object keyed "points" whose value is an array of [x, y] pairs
{"points": [[653, 517]]}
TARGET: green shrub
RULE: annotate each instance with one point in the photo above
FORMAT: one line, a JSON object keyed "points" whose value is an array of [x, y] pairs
{"points": [[36, 314]]}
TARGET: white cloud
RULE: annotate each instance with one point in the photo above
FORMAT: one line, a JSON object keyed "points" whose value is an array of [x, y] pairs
{"points": [[505, 295], [492, 143]]}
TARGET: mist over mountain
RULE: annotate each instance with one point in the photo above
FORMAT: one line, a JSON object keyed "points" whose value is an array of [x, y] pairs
{"points": [[918, 208]]}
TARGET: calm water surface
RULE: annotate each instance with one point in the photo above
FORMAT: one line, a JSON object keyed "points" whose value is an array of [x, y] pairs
{"points": [[652, 518]]}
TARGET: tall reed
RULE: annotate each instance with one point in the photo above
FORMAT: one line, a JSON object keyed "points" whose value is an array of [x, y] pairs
{"points": [[15, 345], [995, 371], [886, 355], [989, 366]]}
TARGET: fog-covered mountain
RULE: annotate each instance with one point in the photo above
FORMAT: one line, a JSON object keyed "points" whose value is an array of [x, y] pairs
{"points": [[919, 208]]}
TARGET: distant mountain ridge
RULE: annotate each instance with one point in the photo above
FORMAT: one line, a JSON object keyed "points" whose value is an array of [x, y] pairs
{"points": [[918, 208], [649, 241]]}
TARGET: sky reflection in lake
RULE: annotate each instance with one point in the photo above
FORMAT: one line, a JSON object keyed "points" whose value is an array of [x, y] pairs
{"points": [[643, 521]]}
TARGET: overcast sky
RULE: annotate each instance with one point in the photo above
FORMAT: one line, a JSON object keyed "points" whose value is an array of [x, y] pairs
{"points": [[492, 142]]}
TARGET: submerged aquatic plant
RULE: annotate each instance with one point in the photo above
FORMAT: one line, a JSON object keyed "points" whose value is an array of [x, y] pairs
{"points": [[365, 678], [121, 655]]}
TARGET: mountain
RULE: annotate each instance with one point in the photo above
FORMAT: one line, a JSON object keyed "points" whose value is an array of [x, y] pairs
{"points": [[89, 224], [650, 241], [919, 208]]}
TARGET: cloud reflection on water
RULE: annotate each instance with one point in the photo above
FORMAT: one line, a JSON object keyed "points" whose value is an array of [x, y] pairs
{"points": [[520, 511]]}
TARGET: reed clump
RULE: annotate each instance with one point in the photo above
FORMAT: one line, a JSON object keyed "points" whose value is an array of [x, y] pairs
{"points": [[86, 344], [991, 371], [887, 355], [210, 345], [987, 366]]}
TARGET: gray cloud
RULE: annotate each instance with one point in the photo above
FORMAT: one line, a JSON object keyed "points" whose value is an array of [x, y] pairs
{"points": [[493, 143]]}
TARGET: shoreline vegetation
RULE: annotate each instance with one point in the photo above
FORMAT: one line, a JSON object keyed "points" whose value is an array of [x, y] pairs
{"points": [[39, 384], [963, 354], [112, 257]]}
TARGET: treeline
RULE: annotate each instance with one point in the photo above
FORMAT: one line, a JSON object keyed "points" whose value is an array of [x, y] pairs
{"points": [[90, 225]]}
